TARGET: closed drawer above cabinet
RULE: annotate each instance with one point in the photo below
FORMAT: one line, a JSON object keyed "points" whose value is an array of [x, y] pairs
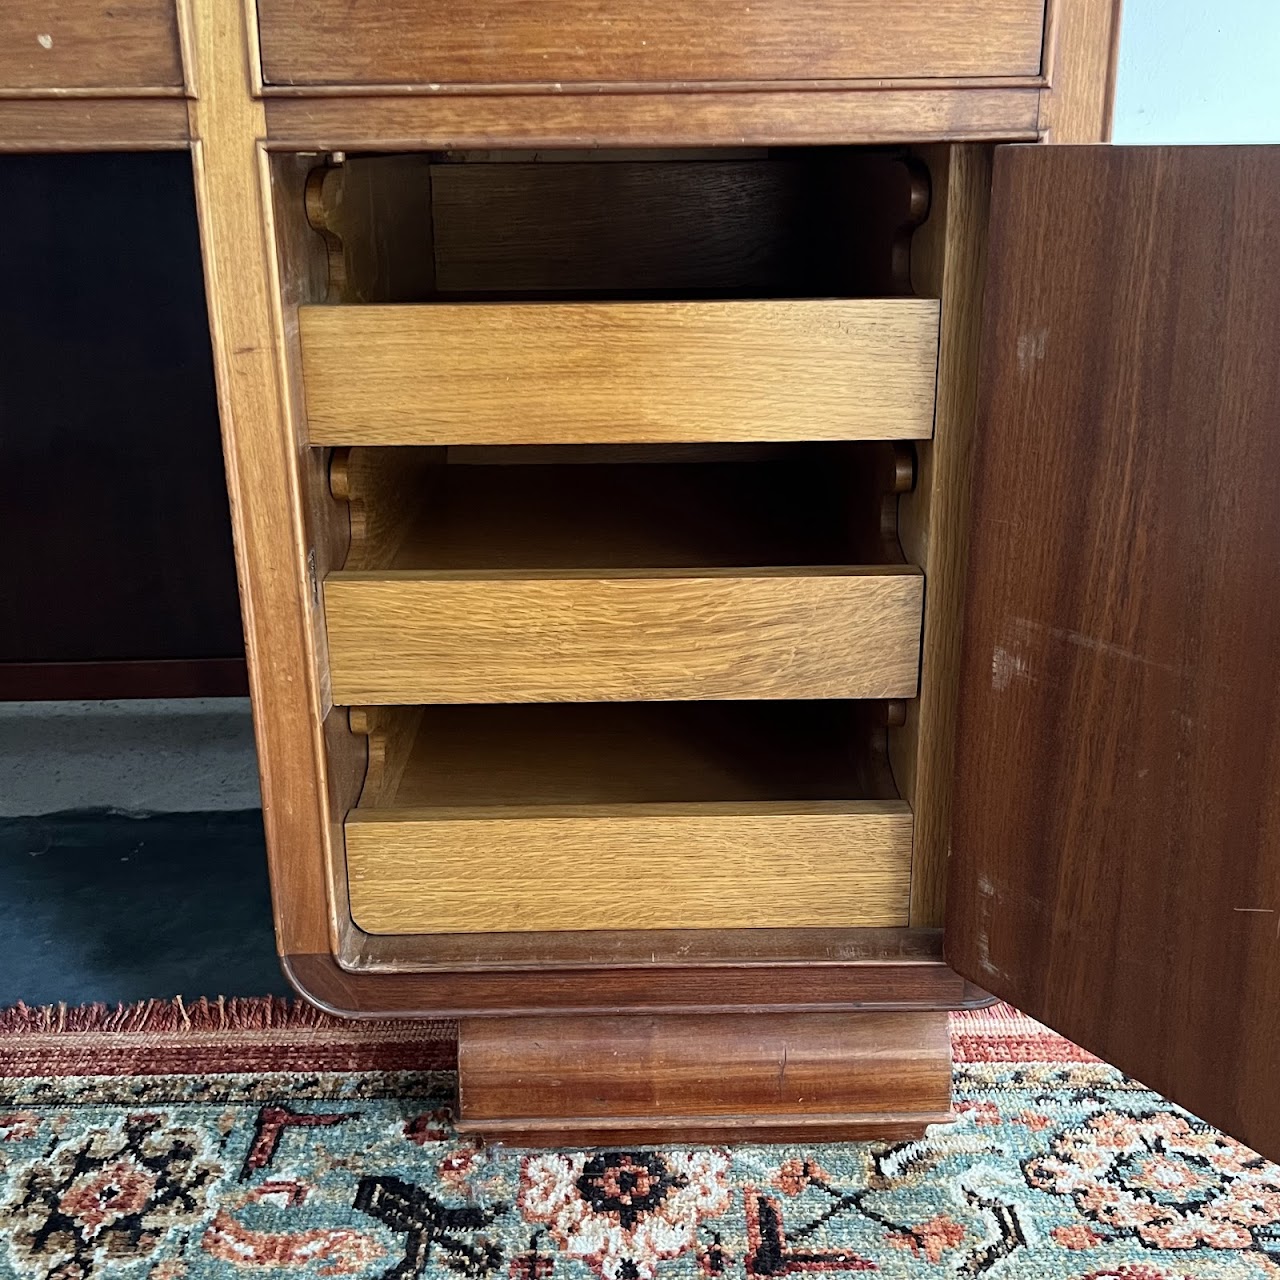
{"points": [[94, 46], [403, 43]]}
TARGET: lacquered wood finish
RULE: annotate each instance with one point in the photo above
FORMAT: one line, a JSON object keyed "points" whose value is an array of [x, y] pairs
{"points": [[770, 1077], [876, 114], [99, 47], [532, 988], [1115, 858], [564, 42]]}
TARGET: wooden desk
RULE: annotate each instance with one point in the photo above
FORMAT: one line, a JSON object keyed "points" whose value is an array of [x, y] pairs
{"points": [[601, 404]]}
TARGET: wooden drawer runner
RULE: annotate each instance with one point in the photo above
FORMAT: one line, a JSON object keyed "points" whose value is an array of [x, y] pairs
{"points": [[508, 636], [674, 816], [538, 373], [408, 42], [92, 45]]}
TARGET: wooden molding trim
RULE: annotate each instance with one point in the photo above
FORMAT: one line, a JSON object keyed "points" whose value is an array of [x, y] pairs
{"points": [[94, 123], [749, 118], [455, 991], [658, 87], [644, 1078], [175, 678]]}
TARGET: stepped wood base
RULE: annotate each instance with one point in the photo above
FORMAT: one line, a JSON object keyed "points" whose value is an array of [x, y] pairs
{"points": [[676, 1078]]}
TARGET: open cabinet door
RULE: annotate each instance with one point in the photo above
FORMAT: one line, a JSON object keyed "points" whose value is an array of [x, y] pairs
{"points": [[1115, 865]]}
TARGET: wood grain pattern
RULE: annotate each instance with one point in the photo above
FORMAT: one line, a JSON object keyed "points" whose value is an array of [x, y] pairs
{"points": [[264, 470], [1078, 105], [817, 224], [893, 953], [404, 636], [626, 753], [93, 124], [399, 42], [600, 372], [948, 261], [375, 215], [100, 46], [530, 987], [1116, 846], [622, 506], [741, 866], [869, 114], [737, 1076]]}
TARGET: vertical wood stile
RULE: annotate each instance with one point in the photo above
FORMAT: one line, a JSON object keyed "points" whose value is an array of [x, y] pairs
{"points": [[263, 460], [948, 262]]}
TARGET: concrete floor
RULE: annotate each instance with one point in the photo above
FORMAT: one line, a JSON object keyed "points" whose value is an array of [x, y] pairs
{"points": [[132, 863]]}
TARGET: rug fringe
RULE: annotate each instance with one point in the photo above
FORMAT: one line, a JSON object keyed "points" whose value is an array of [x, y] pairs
{"points": [[238, 1013]]}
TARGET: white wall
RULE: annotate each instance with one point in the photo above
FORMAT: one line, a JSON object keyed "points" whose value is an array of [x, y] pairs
{"points": [[1199, 71]]}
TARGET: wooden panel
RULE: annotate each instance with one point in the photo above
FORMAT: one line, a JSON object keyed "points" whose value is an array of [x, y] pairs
{"points": [[1115, 855], [452, 637], [456, 990], [753, 865], [89, 44], [870, 114], [168, 678], [893, 950], [819, 224], [948, 260], [93, 124], [626, 753], [265, 467], [641, 507], [651, 1079], [402, 42], [110, 420], [601, 372], [1078, 105]]}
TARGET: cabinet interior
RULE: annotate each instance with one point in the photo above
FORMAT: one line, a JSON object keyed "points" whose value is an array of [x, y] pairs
{"points": [[622, 507], [634, 226], [556, 754]]}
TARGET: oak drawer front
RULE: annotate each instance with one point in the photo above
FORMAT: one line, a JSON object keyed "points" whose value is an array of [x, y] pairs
{"points": [[432, 42], [89, 44], [630, 867], [580, 373], [453, 637]]}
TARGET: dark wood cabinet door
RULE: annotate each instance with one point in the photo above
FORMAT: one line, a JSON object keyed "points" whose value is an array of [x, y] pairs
{"points": [[1115, 864]]}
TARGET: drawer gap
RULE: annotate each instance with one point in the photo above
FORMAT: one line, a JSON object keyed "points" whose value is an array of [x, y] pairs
{"points": [[639, 507], [574, 754]]}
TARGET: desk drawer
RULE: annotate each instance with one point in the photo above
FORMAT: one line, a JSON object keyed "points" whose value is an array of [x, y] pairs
{"points": [[530, 373], [643, 816], [441, 636], [563, 42], [89, 45]]}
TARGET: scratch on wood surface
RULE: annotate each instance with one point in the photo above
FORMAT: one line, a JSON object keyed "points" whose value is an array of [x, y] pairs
{"points": [[1027, 627]]}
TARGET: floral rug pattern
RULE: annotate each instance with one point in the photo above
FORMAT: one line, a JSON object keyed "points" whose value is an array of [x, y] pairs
{"points": [[1057, 1168]]}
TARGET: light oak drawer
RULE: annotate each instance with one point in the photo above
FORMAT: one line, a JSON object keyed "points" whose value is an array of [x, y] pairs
{"points": [[641, 816], [838, 864], [447, 636], [531, 373], [89, 44], [433, 42]]}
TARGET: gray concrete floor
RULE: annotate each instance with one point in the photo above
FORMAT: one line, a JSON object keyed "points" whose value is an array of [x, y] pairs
{"points": [[164, 756], [132, 863]]}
